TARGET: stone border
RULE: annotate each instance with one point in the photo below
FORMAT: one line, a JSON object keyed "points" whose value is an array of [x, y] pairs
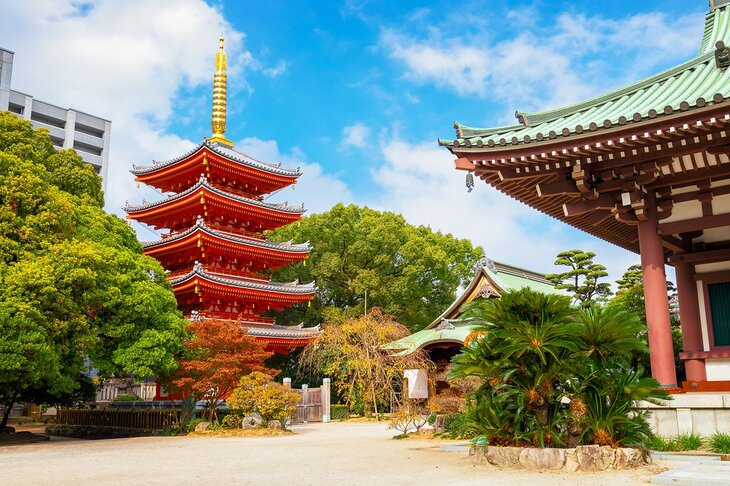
{"points": [[581, 458]]}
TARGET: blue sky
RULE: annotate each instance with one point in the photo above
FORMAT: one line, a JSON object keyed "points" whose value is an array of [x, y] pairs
{"points": [[355, 92]]}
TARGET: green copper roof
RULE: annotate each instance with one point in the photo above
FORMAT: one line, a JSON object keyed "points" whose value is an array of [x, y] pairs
{"points": [[491, 279], [451, 331], [694, 84], [509, 277]]}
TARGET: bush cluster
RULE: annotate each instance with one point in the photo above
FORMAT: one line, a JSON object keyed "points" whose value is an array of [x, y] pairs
{"points": [[717, 442], [553, 375]]}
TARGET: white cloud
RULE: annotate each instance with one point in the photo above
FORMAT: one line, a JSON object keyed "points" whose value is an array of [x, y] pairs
{"points": [[420, 182], [125, 61], [318, 190], [276, 71], [356, 135], [543, 68]]}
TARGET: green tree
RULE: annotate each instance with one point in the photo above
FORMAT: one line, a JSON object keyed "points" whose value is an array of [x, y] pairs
{"points": [[410, 272], [75, 285], [582, 277]]}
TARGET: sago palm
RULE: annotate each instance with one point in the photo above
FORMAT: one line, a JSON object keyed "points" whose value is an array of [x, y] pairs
{"points": [[609, 332]]}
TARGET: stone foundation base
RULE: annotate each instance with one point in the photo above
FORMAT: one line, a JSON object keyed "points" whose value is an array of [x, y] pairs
{"points": [[581, 458]]}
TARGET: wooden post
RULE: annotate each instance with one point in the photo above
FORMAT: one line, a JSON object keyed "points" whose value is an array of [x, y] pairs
{"points": [[325, 390], [661, 350], [689, 312], [305, 401], [287, 382]]}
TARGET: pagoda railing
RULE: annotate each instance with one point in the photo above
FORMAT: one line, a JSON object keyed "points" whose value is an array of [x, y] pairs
{"points": [[235, 231], [239, 233], [234, 316], [224, 272]]}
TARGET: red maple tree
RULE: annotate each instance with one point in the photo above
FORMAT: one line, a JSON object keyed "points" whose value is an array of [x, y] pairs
{"points": [[217, 356]]}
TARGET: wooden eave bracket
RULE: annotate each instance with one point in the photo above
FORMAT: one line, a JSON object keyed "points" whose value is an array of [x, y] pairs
{"points": [[464, 164], [603, 201]]}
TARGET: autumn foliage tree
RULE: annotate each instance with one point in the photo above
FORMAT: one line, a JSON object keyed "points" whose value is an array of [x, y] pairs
{"points": [[351, 351], [217, 355]]}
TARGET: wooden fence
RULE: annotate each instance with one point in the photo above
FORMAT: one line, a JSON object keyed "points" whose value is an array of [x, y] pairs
{"points": [[130, 419]]}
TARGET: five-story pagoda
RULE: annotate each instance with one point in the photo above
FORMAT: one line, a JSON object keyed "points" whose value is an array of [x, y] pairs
{"points": [[215, 220]]}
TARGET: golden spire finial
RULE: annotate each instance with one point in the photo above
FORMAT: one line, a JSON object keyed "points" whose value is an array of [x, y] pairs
{"points": [[218, 123]]}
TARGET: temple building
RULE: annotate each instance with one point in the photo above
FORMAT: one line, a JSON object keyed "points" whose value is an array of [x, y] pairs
{"points": [[214, 222], [645, 167], [444, 338]]}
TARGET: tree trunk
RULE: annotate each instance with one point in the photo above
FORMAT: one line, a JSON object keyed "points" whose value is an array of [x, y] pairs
{"points": [[8, 409]]}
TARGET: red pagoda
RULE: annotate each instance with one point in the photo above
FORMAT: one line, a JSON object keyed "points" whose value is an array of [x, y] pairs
{"points": [[214, 221]]}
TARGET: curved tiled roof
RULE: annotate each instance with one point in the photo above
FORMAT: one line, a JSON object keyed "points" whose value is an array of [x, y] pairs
{"points": [[285, 288], [203, 182], [455, 332], [200, 224], [293, 332], [227, 152], [694, 84]]}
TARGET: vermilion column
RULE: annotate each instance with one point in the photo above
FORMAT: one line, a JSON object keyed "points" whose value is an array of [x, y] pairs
{"points": [[655, 298], [689, 313]]}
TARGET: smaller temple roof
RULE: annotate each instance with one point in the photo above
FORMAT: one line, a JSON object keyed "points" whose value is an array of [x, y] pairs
{"points": [[287, 246], [703, 80], [491, 280], [224, 151], [291, 288], [447, 331], [203, 183]]}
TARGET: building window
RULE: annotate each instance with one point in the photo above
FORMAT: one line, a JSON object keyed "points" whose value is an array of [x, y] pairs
{"points": [[720, 310]]}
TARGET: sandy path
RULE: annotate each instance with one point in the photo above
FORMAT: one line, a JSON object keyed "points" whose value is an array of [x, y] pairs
{"points": [[318, 454]]}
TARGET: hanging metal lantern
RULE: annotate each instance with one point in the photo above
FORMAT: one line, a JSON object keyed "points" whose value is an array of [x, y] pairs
{"points": [[469, 181]]}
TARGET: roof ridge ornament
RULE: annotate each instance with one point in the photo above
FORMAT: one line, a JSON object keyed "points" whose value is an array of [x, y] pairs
{"points": [[218, 122], [722, 55]]}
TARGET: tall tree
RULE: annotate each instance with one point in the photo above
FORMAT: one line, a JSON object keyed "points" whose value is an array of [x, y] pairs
{"points": [[217, 355], [410, 272], [581, 279], [351, 352], [75, 284]]}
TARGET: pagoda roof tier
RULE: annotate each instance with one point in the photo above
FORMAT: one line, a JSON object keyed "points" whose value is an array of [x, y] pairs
{"points": [[699, 82], [220, 163], [203, 198], [279, 295], [201, 236], [276, 336]]}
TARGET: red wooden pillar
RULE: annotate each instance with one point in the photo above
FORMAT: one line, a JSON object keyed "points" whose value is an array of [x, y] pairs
{"points": [[661, 351], [689, 313]]}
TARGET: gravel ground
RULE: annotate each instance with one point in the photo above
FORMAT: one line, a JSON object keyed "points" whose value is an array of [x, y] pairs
{"points": [[317, 454]]}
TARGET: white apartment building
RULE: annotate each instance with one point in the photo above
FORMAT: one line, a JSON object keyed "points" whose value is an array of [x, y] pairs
{"points": [[69, 128]]}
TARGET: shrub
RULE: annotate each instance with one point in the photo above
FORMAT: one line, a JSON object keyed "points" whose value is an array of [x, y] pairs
{"points": [[127, 397], [689, 442], [720, 443], [536, 352], [192, 423], [259, 393], [339, 412], [407, 418], [232, 421], [662, 444]]}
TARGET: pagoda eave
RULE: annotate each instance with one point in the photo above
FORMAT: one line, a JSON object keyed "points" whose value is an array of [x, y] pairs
{"points": [[200, 238], [204, 284], [203, 199], [218, 162]]}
